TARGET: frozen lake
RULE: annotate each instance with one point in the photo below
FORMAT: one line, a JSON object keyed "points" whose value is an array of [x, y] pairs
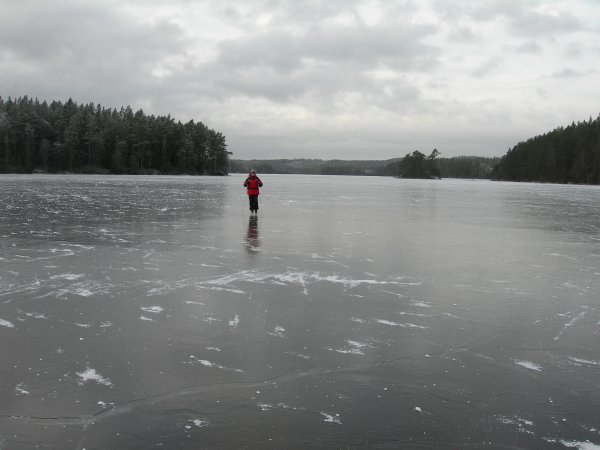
{"points": [[152, 312]]}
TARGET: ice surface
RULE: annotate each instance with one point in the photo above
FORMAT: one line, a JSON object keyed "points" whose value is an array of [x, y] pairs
{"points": [[354, 312]]}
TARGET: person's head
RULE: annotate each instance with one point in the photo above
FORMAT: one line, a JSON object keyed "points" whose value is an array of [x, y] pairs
{"points": [[252, 173]]}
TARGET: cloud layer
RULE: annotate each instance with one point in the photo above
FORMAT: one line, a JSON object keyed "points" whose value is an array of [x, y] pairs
{"points": [[345, 79]]}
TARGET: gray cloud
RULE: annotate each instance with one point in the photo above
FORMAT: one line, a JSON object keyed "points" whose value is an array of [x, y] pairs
{"points": [[524, 17], [487, 67], [529, 47], [464, 35], [315, 78], [568, 72]]}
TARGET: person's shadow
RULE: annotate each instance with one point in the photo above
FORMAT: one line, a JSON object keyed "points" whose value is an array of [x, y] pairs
{"points": [[252, 239]]}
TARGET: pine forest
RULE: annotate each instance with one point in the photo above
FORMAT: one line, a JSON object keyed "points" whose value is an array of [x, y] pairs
{"points": [[86, 138]]}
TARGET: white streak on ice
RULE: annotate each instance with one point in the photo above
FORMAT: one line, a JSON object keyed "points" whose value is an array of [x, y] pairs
{"points": [[581, 315], [212, 365], [234, 291], [393, 293], [421, 304], [67, 276], [528, 365], [398, 324], [560, 256], [585, 361], [294, 277], [148, 319]]}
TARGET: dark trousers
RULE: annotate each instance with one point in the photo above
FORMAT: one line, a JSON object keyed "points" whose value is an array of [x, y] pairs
{"points": [[253, 202]]}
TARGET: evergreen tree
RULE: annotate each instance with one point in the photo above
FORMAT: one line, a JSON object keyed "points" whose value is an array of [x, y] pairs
{"points": [[59, 137], [565, 155], [417, 165]]}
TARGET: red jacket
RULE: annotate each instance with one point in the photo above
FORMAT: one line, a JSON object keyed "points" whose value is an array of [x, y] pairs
{"points": [[253, 183]]}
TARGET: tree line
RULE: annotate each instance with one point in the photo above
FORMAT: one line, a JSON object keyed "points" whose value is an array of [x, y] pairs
{"points": [[311, 166], [564, 155], [455, 167], [86, 138]]}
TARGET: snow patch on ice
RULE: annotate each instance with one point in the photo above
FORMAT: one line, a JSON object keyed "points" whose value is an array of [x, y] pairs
{"points": [[201, 423], [280, 405], [21, 389], [354, 348], [92, 375], [212, 365], [528, 365], [147, 319], [278, 332], [331, 418], [421, 304], [454, 316], [235, 322], [191, 302], [587, 445], [299, 355], [36, 315], [6, 323], [67, 276], [152, 309], [521, 424], [82, 292]]}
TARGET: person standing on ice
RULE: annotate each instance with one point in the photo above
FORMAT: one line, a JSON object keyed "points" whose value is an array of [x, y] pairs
{"points": [[252, 183]]}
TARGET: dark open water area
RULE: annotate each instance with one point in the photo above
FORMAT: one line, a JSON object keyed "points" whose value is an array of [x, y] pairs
{"points": [[352, 313]]}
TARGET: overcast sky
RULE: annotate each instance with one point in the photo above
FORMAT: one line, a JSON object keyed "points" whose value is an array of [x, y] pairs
{"points": [[348, 79]]}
